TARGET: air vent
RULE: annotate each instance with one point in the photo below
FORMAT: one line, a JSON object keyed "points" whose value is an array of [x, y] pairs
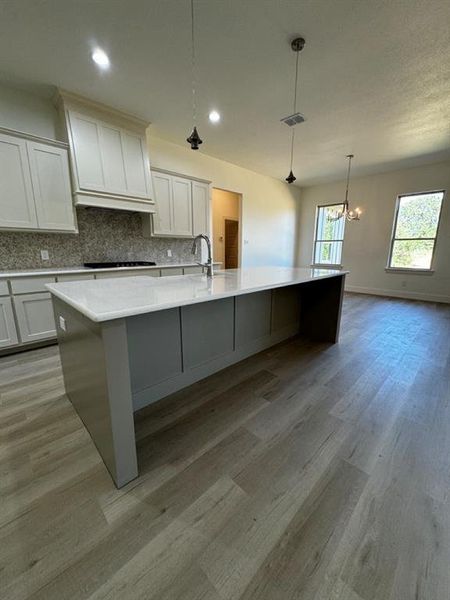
{"points": [[294, 119]]}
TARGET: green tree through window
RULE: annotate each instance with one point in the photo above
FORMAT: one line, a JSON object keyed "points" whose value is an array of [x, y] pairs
{"points": [[329, 236], [415, 230]]}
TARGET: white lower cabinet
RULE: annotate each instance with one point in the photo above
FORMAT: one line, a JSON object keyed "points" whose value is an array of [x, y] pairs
{"points": [[8, 333], [35, 316]]}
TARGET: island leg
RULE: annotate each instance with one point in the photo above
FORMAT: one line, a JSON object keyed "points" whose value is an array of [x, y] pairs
{"points": [[321, 307], [94, 360]]}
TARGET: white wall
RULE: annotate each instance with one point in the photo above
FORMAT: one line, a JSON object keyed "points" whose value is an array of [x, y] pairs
{"points": [[366, 244], [269, 206], [27, 112]]}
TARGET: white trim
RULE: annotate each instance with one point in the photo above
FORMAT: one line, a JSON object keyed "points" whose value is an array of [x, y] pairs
{"points": [[33, 138], [398, 294], [176, 174], [326, 266], [405, 271]]}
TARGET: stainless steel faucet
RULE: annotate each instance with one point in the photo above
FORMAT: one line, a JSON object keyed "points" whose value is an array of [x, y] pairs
{"points": [[208, 265]]}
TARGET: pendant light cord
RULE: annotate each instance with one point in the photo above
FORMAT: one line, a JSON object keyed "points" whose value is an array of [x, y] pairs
{"points": [[194, 106], [294, 108], [348, 179]]}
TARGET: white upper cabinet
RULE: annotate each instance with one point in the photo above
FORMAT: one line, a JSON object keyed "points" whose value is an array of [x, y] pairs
{"points": [[109, 156], [51, 186], [17, 207], [181, 207], [162, 219], [200, 207], [35, 190]]}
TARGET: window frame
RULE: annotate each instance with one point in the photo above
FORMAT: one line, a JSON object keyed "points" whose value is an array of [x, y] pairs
{"points": [[315, 241], [430, 269]]}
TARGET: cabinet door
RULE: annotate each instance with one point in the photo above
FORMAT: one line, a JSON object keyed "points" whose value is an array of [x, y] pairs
{"points": [[136, 165], [35, 317], [85, 135], [162, 219], [181, 207], [200, 208], [112, 154], [17, 208], [51, 187], [8, 333]]}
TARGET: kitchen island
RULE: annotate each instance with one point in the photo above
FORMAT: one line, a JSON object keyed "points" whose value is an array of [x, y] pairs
{"points": [[126, 343]]}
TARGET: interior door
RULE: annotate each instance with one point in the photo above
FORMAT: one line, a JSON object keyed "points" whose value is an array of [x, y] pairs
{"points": [[231, 244], [17, 209], [51, 186], [181, 207]]}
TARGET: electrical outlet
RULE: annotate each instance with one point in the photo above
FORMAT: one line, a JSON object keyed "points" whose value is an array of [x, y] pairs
{"points": [[169, 253], [44, 255], [62, 323]]}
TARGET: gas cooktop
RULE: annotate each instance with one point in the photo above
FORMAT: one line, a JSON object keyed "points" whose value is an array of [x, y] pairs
{"points": [[126, 263]]}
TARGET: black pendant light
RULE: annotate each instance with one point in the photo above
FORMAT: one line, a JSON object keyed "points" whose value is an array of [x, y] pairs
{"points": [[297, 46], [194, 139]]}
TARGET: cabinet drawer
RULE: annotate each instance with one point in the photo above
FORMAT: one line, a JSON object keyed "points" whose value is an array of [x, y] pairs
{"points": [[110, 275], [8, 333], [171, 271], [193, 270], [75, 277], [30, 285], [35, 317], [4, 288]]}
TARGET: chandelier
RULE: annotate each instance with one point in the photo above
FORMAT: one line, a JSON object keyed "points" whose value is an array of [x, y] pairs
{"points": [[346, 213]]}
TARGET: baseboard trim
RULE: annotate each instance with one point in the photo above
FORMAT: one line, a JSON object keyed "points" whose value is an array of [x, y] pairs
{"points": [[407, 295]]}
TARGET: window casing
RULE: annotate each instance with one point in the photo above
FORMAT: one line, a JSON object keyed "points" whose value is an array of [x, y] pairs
{"points": [[415, 231], [329, 236]]}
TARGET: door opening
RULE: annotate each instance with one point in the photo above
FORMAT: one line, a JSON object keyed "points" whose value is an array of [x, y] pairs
{"points": [[226, 217]]}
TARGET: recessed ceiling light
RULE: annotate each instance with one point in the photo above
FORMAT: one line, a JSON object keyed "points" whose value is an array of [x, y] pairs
{"points": [[100, 58], [214, 116]]}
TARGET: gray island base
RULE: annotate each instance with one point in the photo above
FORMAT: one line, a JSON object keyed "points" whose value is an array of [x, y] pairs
{"points": [[115, 366]]}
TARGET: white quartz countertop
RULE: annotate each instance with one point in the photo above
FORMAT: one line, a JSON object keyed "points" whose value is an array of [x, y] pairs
{"points": [[74, 270], [114, 298]]}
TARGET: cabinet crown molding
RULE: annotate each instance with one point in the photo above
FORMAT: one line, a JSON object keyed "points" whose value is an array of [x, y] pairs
{"points": [[71, 100]]}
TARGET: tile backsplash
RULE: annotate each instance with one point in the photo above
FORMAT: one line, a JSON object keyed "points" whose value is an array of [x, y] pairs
{"points": [[104, 235]]}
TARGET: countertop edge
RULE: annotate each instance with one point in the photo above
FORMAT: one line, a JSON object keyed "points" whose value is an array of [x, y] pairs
{"points": [[123, 314], [84, 270]]}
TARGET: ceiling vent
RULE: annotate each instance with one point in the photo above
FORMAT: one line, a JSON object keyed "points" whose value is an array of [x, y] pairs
{"points": [[294, 119]]}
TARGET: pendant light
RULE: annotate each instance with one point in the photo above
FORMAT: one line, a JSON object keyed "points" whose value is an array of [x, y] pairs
{"points": [[194, 139], [297, 46], [346, 213]]}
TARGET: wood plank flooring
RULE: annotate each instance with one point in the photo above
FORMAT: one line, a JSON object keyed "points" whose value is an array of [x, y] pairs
{"points": [[308, 471]]}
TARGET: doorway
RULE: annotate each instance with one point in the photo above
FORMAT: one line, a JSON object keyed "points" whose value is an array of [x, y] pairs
{"points": [[231, 244], [226, 221]]}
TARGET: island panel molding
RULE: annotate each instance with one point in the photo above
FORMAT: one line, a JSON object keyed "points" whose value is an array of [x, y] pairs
{"points": [[116, 365]]}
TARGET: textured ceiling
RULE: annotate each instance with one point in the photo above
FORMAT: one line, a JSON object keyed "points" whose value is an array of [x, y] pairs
{"points": [[374, 75]]}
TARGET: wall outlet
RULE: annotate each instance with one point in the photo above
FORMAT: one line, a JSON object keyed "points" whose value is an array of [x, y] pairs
{"points": [[62, 323], [44, 255], [169, 253]]}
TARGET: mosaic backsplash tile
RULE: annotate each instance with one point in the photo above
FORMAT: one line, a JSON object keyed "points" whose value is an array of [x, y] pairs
{"points": [[104, 235]]}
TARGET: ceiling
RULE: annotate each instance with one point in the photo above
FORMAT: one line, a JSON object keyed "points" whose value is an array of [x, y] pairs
{"points": [[374, 75]]}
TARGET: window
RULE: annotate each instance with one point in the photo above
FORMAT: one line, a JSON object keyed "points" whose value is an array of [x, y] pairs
{"points": [[415, 230], [329, 236]]}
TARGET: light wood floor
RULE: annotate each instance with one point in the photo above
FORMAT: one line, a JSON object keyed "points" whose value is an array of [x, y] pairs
{"points": [[310, 471]]}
